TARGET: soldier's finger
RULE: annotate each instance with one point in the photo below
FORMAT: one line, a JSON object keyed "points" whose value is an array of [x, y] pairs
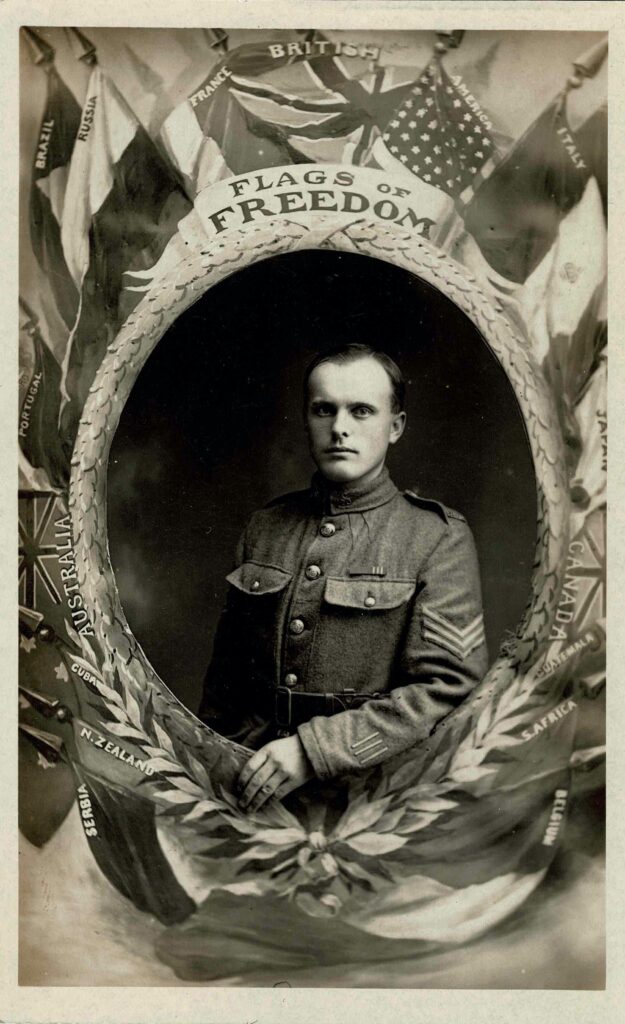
{"points": [[259, 778], [284, 789], [264, 793], [255, 762]]}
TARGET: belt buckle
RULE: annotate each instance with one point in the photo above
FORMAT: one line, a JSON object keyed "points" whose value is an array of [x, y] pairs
{"points": [[283, 710]]}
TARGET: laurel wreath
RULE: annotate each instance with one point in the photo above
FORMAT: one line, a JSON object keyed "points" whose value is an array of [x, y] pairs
{"points": [[323, 867], [373, 845]]}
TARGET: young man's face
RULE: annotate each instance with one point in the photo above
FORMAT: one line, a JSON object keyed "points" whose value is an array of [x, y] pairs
{"points": [[350, 421]]}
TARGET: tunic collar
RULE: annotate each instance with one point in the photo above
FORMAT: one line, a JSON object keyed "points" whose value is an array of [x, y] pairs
{"points": [[337, 499]]}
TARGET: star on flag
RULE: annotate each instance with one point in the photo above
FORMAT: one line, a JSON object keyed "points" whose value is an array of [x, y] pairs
{"points": [[449, 133]]}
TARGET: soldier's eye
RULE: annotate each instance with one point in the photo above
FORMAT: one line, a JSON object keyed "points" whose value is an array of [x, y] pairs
{"points": [[322, 409], [362, 411]]}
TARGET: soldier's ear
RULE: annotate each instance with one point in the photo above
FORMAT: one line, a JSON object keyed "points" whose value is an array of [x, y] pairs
{"points": [[398, 424]]}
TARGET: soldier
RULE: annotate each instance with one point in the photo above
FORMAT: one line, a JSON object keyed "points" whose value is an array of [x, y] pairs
{"points": [[354, 622]]}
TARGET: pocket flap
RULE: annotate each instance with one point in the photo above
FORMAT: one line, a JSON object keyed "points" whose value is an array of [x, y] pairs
{"points": [[256, 579], [369, 595]]}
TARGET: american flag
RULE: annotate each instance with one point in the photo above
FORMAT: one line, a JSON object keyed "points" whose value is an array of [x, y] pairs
{"points": [[442, 135]]}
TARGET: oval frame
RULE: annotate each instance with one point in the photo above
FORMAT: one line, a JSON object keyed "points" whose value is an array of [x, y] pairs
{"points": [[129, 684]]}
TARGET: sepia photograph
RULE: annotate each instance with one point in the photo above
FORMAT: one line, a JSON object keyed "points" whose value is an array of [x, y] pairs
{"points": [[312, 435]]}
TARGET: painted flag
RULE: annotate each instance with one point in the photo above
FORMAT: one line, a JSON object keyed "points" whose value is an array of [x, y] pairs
{"points": [[322, 113], [43, 460], [55, 143], [441, 134], [592, 139], [589, 483], [262, 108], [563, 305], [122, 205], [39, 573], [515, 214], [121, 832]]}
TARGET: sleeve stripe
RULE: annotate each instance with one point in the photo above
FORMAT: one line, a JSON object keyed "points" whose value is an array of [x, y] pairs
{"points": [[365, 739], [376, 753]]}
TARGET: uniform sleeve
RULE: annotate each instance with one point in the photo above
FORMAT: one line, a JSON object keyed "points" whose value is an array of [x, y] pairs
{"points": [[442, 659]]}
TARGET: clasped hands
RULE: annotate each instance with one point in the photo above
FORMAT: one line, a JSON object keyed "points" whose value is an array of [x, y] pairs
{"points": [[273, 771]]}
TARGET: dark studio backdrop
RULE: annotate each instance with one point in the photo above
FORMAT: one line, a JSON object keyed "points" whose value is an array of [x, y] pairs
{"points": [[213, 429]]}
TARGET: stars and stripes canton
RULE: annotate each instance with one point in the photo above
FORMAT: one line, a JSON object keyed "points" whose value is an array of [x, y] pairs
{"points": [[442, 136]]}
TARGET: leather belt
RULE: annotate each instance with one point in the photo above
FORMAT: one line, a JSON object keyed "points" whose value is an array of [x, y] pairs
{"points": [[292, 708]]}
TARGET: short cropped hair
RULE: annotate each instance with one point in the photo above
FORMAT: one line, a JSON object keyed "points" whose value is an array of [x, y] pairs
{"points": [[349, 354]]}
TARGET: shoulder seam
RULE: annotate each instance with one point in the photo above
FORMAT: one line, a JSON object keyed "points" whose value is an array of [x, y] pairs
{"points": [[433, 505]]}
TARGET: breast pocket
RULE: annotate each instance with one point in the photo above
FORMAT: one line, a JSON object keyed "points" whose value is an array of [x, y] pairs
{"points": [[257, 580], [369, 595], [255, 601], [360, 631]]}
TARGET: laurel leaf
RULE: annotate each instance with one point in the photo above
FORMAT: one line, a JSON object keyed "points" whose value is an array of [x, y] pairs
{"points": [[435, 806], [360, 817], [373, 844], [160, 764], [416, 824], [119, 729], [164, 739], [260, 852], [280, 837], [133, 710], [110, 695], [174, 796], [185, 784], [471, 773], [201, 808]]}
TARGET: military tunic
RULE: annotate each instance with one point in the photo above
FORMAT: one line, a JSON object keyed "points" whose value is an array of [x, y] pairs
{"points": [[354, 618]]}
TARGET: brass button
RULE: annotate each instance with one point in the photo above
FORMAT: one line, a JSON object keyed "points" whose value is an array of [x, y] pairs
{"points": [[313, 572], [255, 584], [327, 529], [290, 679], [296, 626], [369, 600]]}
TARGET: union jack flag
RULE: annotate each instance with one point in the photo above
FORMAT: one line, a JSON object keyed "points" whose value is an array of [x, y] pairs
{"points": [[588, 567], [39, 573]]}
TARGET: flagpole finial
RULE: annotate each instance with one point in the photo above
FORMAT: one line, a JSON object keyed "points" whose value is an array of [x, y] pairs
{"points": [[589, 63], [83, 48], [30, 319], [217, 38], [448, 41], [41, 51]]}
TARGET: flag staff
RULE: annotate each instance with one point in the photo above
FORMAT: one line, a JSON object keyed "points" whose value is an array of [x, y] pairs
{"points": [[588, 64], [41, 52], [84, 50], [448, 41], [217, 38]]}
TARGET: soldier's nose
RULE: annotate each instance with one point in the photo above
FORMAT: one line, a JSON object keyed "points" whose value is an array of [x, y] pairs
{"points": [[340, 427]]}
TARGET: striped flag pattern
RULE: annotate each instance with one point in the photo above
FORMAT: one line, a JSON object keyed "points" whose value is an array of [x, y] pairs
{"points": [[442, 135]]}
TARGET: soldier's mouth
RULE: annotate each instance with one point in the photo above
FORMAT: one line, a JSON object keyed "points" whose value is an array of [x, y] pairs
{"points": [[341, 451]]}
